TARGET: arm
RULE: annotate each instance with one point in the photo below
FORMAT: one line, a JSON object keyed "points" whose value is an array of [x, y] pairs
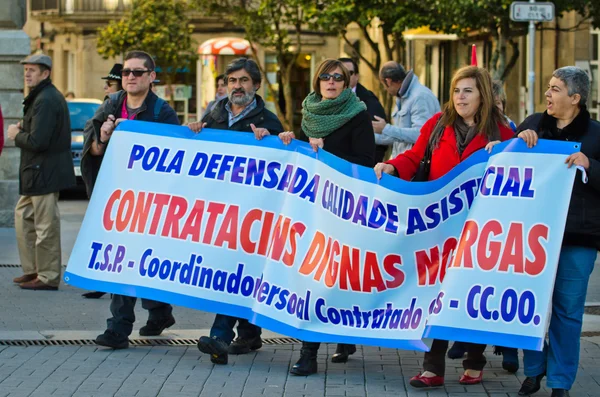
{"points": [[43, 123], [381, 139], [407, 163], [363, 142], [168, 115], [91, 132], [420, 111]]}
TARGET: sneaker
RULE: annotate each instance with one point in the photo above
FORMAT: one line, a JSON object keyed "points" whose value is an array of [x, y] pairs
{"points": [[216, 347], [156, 327], [112, 339], [245, 346]]}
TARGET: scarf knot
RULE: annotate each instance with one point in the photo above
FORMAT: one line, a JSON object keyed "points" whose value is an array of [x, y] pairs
{"points": [[322, 117]]}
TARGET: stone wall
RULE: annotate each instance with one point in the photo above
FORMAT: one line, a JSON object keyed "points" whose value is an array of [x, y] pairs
{"points": [[14, 46]]}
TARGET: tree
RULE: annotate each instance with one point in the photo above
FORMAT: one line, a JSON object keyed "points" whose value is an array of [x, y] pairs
{"points": [[493, 16], [159, 27], [386, 18], [274, 24]]}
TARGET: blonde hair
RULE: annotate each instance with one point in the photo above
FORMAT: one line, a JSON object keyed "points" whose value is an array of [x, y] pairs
{"points": [[488, 116], [327, 66]]}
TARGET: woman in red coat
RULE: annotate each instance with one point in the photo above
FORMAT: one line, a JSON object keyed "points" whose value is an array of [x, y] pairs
{"points": [[468, 123]]}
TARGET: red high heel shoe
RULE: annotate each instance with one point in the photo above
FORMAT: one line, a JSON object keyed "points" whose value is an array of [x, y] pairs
{"points": [[421, 382], [470, 380]]}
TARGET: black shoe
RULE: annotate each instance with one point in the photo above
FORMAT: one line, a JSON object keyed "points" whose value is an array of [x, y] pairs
{"points": [[93, 295], [531, 384], [342, 352], [307, 365], [559, 393], [214, 346], [112, 339], [457, 350], [245, 346], [156, 327]]}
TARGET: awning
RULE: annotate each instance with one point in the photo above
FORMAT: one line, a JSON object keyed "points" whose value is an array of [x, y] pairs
{"points": [[424, 33], [225, 46]]}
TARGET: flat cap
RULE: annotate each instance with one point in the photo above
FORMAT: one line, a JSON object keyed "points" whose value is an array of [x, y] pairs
{"points": [[38, 59]]}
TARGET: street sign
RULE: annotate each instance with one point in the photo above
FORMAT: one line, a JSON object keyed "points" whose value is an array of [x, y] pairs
{"points": [[522, 11]]}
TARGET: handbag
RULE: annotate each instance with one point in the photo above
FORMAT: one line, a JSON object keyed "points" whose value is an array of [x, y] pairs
{"points": [[422, 174]]}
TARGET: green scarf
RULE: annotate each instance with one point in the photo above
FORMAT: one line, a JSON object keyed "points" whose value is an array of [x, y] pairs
{"points": [[322, 117]]}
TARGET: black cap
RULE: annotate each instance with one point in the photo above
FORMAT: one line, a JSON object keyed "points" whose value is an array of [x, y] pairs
{"points": [[115, 72]]}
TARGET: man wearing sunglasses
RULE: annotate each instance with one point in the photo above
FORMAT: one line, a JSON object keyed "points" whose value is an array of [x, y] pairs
{"points": [[374, 107], [415, 104], [243, 111], [135, 101]]}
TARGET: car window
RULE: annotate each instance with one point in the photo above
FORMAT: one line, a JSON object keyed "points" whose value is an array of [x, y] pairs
{"points": [[80, 113]]}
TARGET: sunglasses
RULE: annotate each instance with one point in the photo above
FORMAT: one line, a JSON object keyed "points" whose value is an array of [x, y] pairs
{"points": [[136, 73], [335, 76]]}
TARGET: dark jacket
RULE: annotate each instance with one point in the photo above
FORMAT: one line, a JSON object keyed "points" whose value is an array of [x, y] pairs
{"points": [[374, 108], [90, 165], [218, 118], [45, 142], [583, 218], [353, 142]]}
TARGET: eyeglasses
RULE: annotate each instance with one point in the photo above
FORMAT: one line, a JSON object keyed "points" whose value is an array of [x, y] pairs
{"points": [[352, 72], [136, 73], [335, 76]]}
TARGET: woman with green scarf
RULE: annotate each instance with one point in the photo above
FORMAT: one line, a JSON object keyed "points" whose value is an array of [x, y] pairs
{"points": [[335, 120]]}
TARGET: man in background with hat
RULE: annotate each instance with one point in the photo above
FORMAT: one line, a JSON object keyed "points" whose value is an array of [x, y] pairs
{"points": [[113, 80], [44, 137]]}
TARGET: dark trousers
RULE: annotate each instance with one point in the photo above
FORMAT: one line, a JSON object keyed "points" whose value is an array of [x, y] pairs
{"points": [[123, 314], [313, 347], [435, 359], [223, 325]]}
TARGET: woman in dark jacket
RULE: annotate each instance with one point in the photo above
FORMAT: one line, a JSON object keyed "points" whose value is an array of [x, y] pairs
{"points": [[334, 119], [567, 119], [470, 121]]}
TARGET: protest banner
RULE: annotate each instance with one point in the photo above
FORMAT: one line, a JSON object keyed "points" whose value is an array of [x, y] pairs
{"points": [[311, 246]]}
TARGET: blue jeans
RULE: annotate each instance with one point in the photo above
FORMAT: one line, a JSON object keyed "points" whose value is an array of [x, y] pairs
{"points": [[560, 357], [223, 325]]}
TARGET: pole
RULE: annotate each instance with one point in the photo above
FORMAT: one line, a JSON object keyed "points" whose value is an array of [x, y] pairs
{"points": [[531, 74]]}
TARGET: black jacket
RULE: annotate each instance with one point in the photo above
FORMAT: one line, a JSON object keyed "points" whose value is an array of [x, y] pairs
{"points": [[218, 118], [353, 142], [45, 142], [90, 165], [374, 108], [583, 219]]}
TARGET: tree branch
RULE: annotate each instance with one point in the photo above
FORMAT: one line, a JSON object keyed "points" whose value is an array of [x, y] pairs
{"points": [[356, 53], [513, 58]]}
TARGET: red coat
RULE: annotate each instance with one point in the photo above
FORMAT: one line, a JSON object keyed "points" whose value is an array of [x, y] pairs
{"points": [[445, 156]]}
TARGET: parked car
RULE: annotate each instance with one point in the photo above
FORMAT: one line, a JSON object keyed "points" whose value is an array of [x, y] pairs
{"points": [[80, 111]]}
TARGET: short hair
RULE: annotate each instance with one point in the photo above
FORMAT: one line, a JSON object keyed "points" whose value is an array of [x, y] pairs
{"points": [[498, 91], [393, 71], [43, 68], [249, 65], [488, 115], [352, 61], [327, 66], [576, 80], [147, 58], [220, 77]]}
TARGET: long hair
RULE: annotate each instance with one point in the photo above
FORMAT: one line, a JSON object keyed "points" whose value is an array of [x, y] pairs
{"points": [[488, 116]]}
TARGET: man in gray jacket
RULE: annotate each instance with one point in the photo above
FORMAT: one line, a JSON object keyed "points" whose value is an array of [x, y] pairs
{"points": [[44, 137], [415, 104]]}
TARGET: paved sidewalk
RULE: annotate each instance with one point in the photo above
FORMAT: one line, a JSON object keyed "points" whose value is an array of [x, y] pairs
{"points": [[173, 371]]}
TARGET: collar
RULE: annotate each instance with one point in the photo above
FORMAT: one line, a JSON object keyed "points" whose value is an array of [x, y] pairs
{"points": [[406, 84], [354, 89], [575, 130], [36, 90]]}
